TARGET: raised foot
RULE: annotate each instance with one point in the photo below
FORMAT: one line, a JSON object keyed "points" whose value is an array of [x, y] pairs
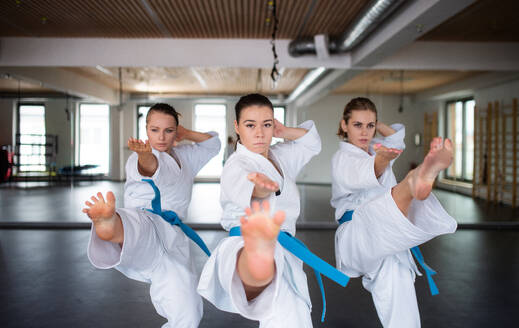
{"points": [[422, 178], [259, 232], [103, 215]]}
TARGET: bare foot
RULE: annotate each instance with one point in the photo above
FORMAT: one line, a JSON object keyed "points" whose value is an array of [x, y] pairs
{"points": [[422, 178], [259, 233], [102, 213]]}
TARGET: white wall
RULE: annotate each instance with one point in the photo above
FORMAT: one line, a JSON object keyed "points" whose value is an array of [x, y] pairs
{"points": [[327, 112]]}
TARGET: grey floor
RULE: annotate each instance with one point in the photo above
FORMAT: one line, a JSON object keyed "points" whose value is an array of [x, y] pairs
{"points": [[47, 281]]}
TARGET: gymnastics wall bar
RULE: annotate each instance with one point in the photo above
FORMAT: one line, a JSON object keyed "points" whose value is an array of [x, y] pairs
{"points": [[495, 153]]}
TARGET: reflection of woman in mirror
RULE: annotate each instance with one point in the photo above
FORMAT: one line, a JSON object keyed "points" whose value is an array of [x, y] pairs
{"points": [[380, 219], [143, 245]]}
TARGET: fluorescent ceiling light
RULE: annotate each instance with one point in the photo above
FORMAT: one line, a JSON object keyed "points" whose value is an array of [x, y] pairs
{"points": [[104, 70], [309, 78]]}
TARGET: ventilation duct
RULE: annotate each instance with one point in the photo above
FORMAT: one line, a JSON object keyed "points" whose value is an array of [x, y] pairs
{"points": [[371, 17]]}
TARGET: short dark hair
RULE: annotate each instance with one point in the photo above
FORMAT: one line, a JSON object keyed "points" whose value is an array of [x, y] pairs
{"points": [[358, 103], [163, 108]]}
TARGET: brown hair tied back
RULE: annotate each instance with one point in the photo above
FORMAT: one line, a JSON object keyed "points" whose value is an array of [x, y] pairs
{"points": [[358, 103], [163, 108], [253, 99]]}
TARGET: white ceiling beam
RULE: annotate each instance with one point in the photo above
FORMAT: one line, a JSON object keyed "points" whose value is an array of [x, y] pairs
{"points": [[251, 53], [64, 81], [433, 55]]}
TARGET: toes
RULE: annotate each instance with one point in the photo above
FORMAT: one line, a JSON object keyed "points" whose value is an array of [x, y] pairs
{"points": [[110, 197], [266, 206], [243, 221], [448, 144], [87, 203], [94, 199], [279, 218], [248, 211], [255, 206], [100, 196]]}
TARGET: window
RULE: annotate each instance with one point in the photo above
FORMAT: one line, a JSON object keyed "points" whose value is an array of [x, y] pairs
{"points": [[142, 111], [94, 136], [279, 114], [211, 117], [32, 137], [459, 119]]}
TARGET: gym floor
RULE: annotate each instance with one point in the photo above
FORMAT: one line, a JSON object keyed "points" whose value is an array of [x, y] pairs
{"points": [[46, 279]]}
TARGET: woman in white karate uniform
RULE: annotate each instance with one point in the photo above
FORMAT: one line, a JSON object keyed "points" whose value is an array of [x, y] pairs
{"points": [[381, 220], [252, 274], [143, 245]]}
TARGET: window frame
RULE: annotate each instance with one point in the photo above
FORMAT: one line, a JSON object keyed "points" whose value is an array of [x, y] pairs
{"points": [[464, 102], [18, 132], [223, 138], [78, 135]]}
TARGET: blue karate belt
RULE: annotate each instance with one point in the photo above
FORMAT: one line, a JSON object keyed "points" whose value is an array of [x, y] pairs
{"points": [[348, 215], [296, 247], [173, 219]]}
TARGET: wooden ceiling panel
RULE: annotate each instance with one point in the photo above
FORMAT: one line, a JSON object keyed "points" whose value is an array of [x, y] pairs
{"points": [[177, 18], [391, 82], [333, 17], [248, 19], [78, 18], [484, 21], [198, 80]]}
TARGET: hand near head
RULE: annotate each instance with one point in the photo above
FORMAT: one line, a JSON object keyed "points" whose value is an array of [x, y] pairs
{"points": [[386, 153], [263, 186], [181, 133], [139, 146], [279, 129]]}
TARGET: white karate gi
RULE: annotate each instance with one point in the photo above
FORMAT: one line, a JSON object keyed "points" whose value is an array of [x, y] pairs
{"points": [[375, 243], [154, 251], [285, 302]]}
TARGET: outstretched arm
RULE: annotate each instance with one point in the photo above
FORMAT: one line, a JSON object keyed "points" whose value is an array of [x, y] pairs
{"points": [[147, 163], [263, 186], [383, 156]]}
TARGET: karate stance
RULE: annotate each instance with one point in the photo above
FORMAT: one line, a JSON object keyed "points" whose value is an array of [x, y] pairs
{"points": [[380, 219], [250, 273], [154, 247]]}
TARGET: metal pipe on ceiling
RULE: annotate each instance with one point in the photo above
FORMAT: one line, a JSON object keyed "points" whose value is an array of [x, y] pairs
{"points": [[370, 18]]}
